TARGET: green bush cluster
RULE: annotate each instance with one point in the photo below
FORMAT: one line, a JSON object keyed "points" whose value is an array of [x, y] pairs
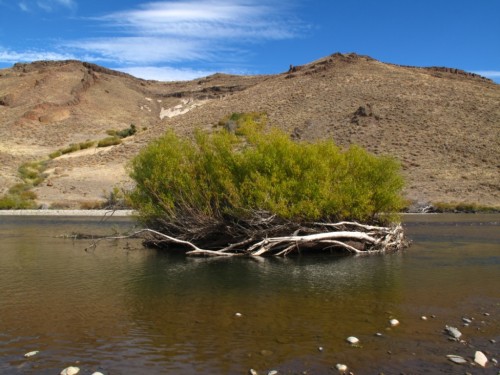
{"points": [[32, 172], [116, 136], [232, 174], [18, 197], [109, 141], [72, 148]]}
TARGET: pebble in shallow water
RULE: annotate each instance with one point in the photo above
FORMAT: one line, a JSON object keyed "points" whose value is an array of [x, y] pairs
{"points": [[341, 367], [456, 359], [71, 370], [453, 332], [31, 354], [480, 358], [352, 340], [394, 322]]}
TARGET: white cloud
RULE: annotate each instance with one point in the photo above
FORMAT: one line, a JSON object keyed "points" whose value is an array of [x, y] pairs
{"points": [[489, 73], [67, 3], [217, 33], [188, 30], [28, 56], [23, 6], [206, 19], [165, 73], [46, 5], [139, 50]]}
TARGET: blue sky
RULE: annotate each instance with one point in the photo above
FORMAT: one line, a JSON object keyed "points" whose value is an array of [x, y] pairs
{"points": [[185, 39]]}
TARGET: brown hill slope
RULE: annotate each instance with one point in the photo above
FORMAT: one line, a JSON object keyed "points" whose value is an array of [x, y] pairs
{"points": [[443, 124]]}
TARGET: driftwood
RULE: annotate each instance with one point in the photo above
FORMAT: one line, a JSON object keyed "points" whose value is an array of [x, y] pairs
{"points": [[350, 237]]}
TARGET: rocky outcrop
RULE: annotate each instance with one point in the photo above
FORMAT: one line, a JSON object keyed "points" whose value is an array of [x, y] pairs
{"points": [[366, 111], [458, 72]]}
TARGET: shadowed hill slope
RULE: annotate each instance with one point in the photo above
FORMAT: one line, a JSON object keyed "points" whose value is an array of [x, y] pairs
{"points": [[442, 124]]}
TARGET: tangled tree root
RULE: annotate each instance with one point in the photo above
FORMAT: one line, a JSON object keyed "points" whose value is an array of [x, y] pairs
{"points": [[350, 237]]}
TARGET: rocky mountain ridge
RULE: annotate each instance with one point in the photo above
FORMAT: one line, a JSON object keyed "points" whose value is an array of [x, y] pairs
{"points": [[443, 124]]}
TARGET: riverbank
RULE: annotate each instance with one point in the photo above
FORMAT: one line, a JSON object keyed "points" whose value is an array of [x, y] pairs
{"points": [[120, 213]]}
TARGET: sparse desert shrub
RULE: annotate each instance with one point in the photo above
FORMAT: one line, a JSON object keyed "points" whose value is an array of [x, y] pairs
{"points": [[92, 205], [115, 199], [124, 133], [18, 197], [463, 207], [55, 154], [71, 148], [60, 205], [15, 202], [109, 141], [31, 171], [86, 144], [127, 132]]}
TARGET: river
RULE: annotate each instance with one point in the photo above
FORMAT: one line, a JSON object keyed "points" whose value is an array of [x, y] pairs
{"points": [[125, 309]]}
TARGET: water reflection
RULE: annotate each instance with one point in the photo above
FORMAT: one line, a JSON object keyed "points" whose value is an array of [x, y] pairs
{"points": [[125, 309]]}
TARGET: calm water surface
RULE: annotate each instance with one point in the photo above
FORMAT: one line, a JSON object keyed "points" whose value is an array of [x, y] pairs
{"points": [[123, 309]]}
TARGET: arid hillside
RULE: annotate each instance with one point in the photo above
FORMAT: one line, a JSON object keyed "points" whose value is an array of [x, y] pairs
{"points": [[442, 124]]}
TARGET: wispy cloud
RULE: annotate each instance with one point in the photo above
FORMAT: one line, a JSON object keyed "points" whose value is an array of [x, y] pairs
{"points": [[139, 49], [165, 73], [175, 31], [207, 19], [46, 5], [23, 7], [32, 55], [489, 73]]}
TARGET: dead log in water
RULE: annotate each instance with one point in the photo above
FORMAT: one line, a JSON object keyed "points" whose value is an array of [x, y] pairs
{"points": [[347, 237]]}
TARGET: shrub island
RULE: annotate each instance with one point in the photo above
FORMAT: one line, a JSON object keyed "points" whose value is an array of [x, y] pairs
{"points": [[245, 189]]}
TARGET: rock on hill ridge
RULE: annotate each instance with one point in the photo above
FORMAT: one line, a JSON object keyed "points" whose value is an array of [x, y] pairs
{"points": [[442, 123]]}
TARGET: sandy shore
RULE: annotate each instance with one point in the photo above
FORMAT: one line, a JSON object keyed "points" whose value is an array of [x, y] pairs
{"points": [[66, 213]]}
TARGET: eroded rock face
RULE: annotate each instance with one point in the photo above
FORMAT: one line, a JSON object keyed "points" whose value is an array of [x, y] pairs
{"points": [[55, 116], [364, 111], [7, 100]]}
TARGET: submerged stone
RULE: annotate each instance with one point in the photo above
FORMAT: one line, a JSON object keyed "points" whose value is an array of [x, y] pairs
{"points": [[480, 359], [71, 370], [457, 359], [394, 322], [352, 340], [453, 332], [341, 367]]}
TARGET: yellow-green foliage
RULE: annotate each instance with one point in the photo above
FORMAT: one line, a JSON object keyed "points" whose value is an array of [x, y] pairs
{"points": [[18, 197], [109, 141], [72, 148], [32, 172], [463, 207], [225, 174]]}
